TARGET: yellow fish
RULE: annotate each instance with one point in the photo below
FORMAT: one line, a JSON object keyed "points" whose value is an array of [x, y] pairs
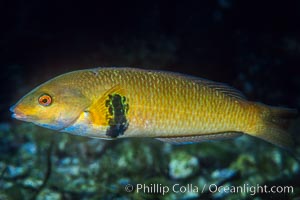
{"points": [[111, 103]]}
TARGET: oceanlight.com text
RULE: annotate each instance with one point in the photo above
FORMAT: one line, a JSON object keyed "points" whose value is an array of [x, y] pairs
{"points": [[207, 188], [250, 189]]}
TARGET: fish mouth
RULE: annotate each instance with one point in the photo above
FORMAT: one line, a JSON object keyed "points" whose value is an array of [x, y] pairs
{"points": [[18, 114]]}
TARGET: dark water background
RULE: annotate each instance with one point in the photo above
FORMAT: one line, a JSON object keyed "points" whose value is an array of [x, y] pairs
{"points": [[251, 45]]}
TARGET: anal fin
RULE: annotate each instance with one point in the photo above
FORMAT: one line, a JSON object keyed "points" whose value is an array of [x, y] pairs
{"points": [[200, 138]]}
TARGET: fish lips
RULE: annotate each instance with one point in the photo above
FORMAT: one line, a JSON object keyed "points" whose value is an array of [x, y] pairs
{"points": [[12, 108], [17, 114]]}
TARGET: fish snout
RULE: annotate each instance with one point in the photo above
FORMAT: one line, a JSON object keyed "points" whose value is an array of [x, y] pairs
{"points": [[12, 108], [17, 114]]}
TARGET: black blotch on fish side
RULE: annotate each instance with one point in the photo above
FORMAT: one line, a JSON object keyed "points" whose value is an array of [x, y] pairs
{"points": [[117, 110]]}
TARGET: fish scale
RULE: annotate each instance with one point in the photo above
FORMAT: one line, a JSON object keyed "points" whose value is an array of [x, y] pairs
{"points": [[175, 102], [112, 103], [179, 104]]}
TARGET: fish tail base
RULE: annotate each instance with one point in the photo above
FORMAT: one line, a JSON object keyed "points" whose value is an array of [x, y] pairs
{"points": [[273, 126]]}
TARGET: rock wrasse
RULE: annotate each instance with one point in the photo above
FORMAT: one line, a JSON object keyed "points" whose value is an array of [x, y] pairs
{"points": [[111, 103]]}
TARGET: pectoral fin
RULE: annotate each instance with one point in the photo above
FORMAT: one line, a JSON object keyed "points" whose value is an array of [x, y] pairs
{"points": [[200, 138], [111, 110]]}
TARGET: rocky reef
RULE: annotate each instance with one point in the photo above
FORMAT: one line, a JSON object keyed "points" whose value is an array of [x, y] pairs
{"points": [[36, 163]]}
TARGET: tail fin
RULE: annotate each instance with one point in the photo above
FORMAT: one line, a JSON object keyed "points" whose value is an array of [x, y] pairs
{"points": [[274, 125]]}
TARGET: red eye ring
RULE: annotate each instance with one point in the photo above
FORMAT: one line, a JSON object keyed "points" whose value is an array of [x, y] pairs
{"points": [[45, 100]]}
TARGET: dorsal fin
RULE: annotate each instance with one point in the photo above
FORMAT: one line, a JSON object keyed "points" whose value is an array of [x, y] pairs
{"points": [[225, 89], [219, 87]]}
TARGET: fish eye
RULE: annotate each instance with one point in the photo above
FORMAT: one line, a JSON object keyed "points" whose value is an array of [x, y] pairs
{"points": [[45, 100]]}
